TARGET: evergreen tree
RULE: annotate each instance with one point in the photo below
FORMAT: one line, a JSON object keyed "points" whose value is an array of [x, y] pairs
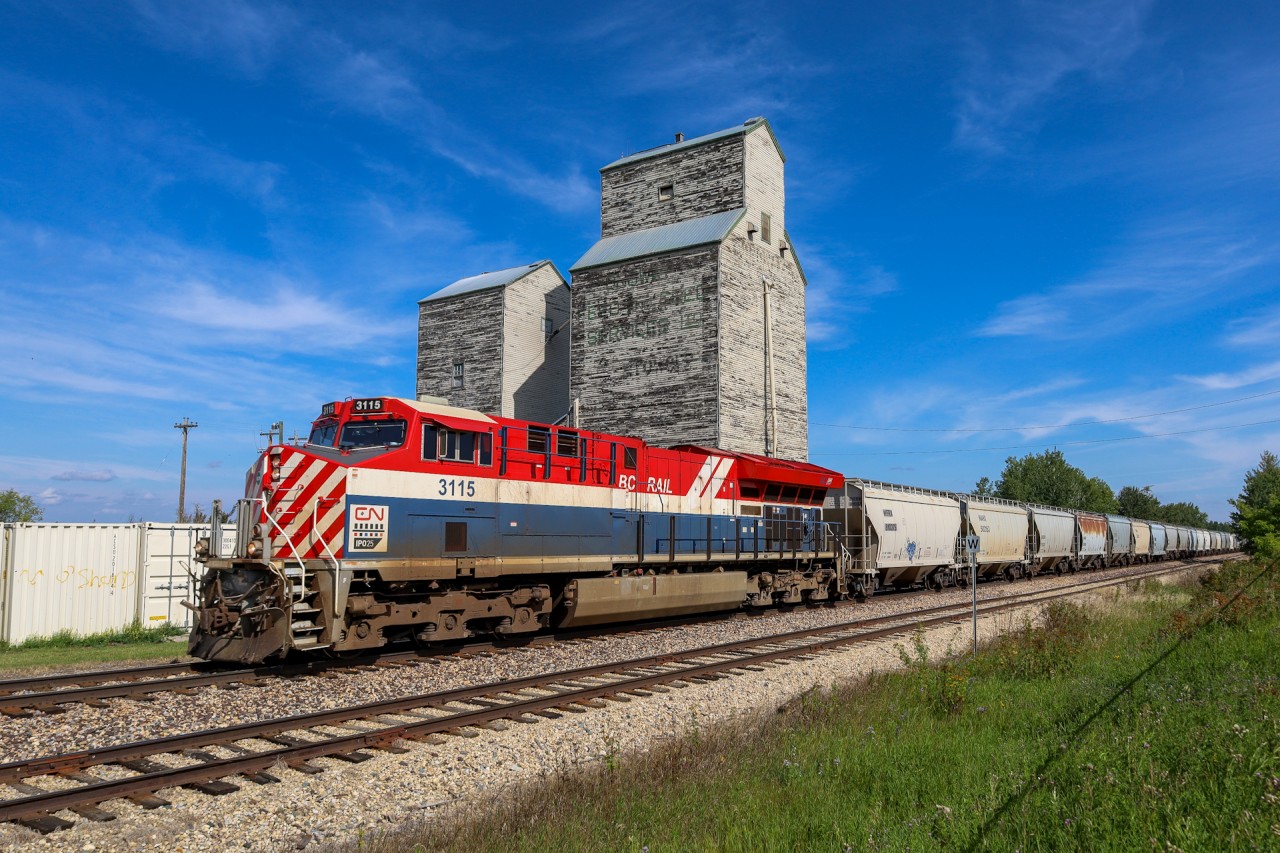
{"points": [[1257, 513]]}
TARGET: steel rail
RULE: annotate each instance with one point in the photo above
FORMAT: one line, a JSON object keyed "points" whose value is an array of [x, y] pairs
{"points": [[71, 679], [21, 695], [36, 809]]}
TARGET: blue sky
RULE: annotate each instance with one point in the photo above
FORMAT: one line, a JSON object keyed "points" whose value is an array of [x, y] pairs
{"points": [[1013, 216]]}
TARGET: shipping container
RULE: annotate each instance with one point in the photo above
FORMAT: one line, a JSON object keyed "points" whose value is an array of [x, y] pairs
{"points": [[1001, 528], [78, 577], [169, 569], [1141, 541], [1053, 536], [907, 535]]}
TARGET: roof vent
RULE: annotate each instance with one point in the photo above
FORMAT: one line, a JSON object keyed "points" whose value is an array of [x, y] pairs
{"points": [[679, 136]]}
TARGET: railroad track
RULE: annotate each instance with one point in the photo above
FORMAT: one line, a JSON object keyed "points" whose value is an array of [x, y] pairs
{"points": [[21, 697], [252, 750]]}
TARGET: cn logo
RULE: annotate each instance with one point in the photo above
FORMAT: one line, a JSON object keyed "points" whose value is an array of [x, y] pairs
{"points": [[370, 513], [369, 528]]}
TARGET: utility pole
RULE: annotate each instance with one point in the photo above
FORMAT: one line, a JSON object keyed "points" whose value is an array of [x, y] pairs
{"points": [[186, 426], [270, 434]]}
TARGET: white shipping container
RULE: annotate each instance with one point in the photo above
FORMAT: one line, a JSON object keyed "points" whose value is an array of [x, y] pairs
{"points": [[168, 565], [78, 577]]}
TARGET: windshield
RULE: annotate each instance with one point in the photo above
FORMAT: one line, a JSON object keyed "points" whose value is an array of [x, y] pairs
{"points": [[323, 433], [372, 434]]}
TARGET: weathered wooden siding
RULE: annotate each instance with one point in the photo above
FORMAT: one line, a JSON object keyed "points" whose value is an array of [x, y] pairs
{"points": [[743, 397], [765, 188], [707, 179], [535, 373], [645, 347], [465, 328], [705, 382], [745, 260]]}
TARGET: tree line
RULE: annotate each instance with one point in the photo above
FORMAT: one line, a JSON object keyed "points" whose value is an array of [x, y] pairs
{"points": [[1048, 478]]}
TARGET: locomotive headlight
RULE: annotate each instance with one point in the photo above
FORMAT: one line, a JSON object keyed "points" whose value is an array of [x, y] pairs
{"points": [[202, 548], [275, 475], [253, 549]]}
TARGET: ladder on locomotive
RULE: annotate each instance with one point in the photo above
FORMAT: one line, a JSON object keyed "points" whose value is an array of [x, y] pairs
{"points": [[304, 610]]}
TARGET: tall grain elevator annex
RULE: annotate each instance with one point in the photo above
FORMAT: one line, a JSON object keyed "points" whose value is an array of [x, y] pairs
{"points": [[688, 314]]}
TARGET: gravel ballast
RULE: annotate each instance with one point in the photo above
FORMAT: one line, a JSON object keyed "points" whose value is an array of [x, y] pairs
{"points": [[390, 788]]}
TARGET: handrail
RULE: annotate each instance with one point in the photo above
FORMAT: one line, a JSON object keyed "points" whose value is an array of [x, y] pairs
{"points": [[315, 520], [303, 566], [898, 487]]}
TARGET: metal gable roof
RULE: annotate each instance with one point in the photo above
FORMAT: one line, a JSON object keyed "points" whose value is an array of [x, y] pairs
{"points": [[663, 238], [744, 128], [487, 281]]}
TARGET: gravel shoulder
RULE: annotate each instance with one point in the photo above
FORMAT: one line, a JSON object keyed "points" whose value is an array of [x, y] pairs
{"points": [[389, 789]]}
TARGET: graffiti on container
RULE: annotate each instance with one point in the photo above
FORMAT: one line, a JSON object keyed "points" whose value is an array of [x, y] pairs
{"points": [[911, 551], [80, 578]]}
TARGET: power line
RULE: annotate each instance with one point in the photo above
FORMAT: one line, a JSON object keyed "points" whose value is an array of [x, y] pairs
{"points": [[1055, 443], [1051, 426]]}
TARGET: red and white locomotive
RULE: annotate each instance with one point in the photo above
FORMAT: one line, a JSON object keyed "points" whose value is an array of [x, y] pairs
{"points": [[400, 518]]}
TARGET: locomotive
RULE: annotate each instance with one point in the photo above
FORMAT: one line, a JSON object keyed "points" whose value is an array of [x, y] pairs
{"points": [[413, 519]]}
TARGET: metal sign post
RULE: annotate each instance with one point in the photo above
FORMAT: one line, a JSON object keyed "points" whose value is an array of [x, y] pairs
{"points": [[972, 544]]}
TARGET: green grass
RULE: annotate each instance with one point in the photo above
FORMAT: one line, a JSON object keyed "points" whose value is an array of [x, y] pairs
{"points": [[65, 648], [1156, 727]]}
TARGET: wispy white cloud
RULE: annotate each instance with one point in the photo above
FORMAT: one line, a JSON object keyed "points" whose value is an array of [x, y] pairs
{"points": [[1254, 375], [100, 476], [838, 293], [1259, 330], [246, 35], [371, 82], [1162, 272], [51, 497], [310, 321], [193, 320], [71, 470], [1014, 68], [149, 150], [741, 69]]}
